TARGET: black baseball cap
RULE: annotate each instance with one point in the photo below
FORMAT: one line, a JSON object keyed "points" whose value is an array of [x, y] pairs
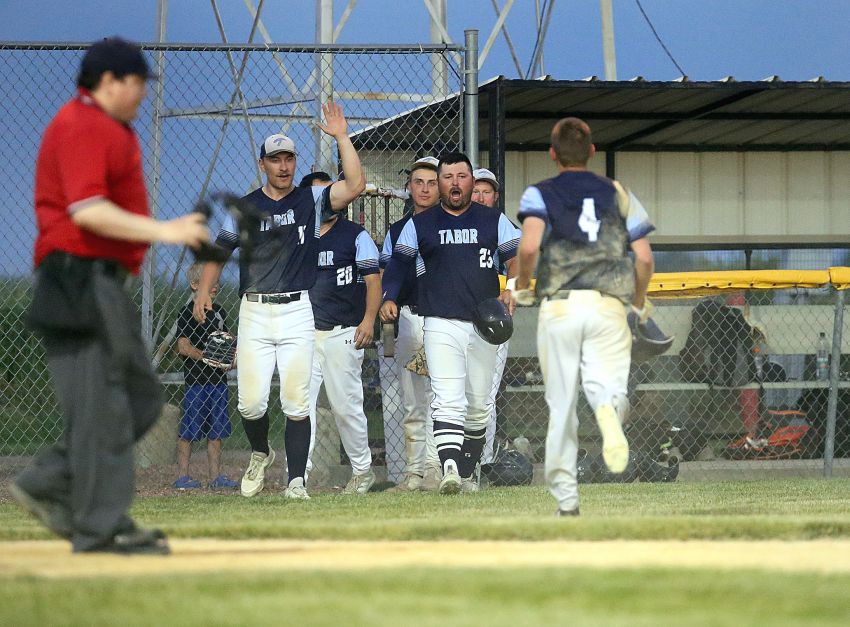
{"points": [[116, 55]]}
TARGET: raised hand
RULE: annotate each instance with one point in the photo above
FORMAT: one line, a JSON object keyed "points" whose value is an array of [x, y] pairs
{"points": [[335, 123]]}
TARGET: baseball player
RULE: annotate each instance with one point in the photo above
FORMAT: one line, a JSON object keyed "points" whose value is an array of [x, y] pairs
{"points": [[584, 280], [276, 326], [486, 192], [421, 466], [345, 298], [456, 247], [94, 228]]}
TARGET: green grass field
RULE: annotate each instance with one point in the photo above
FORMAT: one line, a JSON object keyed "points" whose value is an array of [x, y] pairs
{"points": [[758, 510]]}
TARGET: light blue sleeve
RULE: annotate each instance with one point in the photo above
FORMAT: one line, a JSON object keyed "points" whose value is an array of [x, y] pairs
{"points": [[386, 250], [228, 236], [532, 204], [366, 254], [407, 245], [637, 221], [508, 238]]}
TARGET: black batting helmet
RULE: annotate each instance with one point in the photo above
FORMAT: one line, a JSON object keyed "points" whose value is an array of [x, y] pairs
{"points": [[493, 322], [509, 468], [648, 340], [657, 471]]}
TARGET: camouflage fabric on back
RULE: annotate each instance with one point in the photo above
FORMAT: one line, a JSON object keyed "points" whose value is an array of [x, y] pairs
{"points": [[586, 237]]}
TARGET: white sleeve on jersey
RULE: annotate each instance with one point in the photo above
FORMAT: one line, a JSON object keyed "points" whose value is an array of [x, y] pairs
{"points": [[508, 238], [408, 242], [637, 220], [366, 254], [532, 204], [386, 250], [228, 233]]}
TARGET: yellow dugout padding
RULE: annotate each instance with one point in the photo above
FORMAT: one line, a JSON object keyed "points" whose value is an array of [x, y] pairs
{"points": [[840, 277], [687, 284]]}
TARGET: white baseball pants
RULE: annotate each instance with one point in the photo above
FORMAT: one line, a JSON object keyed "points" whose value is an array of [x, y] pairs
{"points": [[461, 366], [339, 365], [581, 339], [270, 336]]}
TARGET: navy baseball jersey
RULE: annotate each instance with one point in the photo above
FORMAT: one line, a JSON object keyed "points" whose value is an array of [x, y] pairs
{"points": [[458, 259], [285, 247], [346, 254], [407, 293], [194, 370], [588, 227]]}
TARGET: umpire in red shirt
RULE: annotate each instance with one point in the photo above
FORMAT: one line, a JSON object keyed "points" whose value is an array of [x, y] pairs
{"points": [[94, 227]]}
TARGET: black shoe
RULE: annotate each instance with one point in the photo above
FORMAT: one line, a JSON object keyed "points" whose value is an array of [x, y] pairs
{"points": [[52, 515], [567, 512], [135, 542]]}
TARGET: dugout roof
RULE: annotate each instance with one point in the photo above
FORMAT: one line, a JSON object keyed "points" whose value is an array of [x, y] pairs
{"points": [[645, 116]]}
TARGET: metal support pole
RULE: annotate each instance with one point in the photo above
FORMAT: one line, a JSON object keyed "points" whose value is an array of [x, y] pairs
{"points": [[496, 120], [470, 96], [608, 51], [834, 369], [149, 268], [610, 164], [439, 69], [325, 147]]}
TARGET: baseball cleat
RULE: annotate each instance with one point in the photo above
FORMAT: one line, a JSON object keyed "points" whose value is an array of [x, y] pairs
{"points": [[563, 513], [615, 447], [469, 484], [410, 483], [451, 479], [255, 476], [431, 480], [360, 484], [296, 490]]}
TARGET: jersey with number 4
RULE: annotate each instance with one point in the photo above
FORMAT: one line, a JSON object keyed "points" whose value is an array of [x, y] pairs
{"points": [[457, 259], [346, 254], [285, 246], [590, 220]]}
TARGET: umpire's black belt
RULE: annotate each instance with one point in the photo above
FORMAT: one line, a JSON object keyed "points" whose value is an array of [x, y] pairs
{"points": [[273, 299], [68, 263]]}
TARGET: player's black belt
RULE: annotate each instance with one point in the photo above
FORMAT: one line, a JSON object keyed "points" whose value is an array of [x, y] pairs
{"points": [[330, 327], [273, 299], [413, 309]]}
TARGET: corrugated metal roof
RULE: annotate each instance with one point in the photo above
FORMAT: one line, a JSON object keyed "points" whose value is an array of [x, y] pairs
{"points": [[640, 115]]}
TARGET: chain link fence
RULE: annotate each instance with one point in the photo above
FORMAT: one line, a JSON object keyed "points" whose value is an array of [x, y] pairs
{"points": [[741, 392], [200, 129]]}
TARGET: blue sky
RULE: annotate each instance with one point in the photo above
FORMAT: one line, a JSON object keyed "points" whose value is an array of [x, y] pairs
{"points": [[749, 39]]}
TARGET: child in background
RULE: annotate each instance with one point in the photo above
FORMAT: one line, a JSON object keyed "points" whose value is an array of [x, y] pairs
{"points": [[205, 411]]}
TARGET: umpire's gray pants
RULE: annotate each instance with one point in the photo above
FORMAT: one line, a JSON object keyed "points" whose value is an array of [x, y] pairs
{"points": [[109, 397]]}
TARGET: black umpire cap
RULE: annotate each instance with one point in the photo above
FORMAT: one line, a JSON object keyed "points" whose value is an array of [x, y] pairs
{"points": [[116, 55]]}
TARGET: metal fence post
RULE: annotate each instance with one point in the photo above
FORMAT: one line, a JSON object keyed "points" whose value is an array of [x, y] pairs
{"points": [[832, 402], [470, 96]]}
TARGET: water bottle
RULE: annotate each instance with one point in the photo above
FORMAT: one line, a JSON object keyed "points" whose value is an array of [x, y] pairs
{"points": [[822, 359]]}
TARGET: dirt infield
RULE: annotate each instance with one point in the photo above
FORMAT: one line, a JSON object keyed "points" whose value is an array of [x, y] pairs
{"points": [[54, 560]]}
